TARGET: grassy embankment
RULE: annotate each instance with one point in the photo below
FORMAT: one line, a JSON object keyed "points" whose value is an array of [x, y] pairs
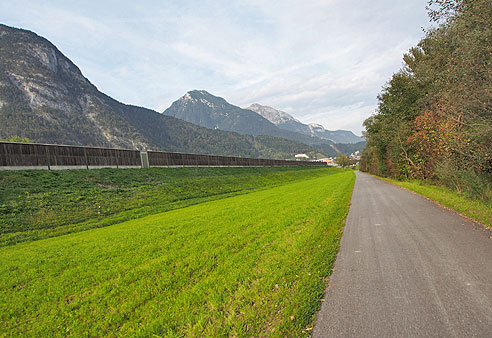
{"points": [[478, 210], [37, 204], [248, 265]]}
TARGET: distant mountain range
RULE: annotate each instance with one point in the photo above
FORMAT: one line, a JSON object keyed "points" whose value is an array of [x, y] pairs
{"points": [[45, 97], [287, 122], [204, 109]]}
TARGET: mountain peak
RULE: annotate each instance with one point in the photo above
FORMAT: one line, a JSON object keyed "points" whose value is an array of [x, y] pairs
{"points": [[197, 92], [195, 96], [26, 45], [198, 97], [316, 128], [202, 108], [271, 114], [287, 122]]}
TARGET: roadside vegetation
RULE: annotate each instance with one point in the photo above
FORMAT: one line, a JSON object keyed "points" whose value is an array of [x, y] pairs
{"points": [[478, 210], [16, 139], [434, 118], [37, 204], [244, 266]]}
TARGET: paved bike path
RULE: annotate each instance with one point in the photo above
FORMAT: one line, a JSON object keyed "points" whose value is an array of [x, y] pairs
{"points": [[407, 268]]}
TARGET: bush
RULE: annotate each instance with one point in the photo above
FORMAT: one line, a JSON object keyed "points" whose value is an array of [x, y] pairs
{"points": [[464, 180]]}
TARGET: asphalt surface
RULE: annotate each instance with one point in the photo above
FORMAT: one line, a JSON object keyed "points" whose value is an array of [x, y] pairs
{"points": [[407, 268]]}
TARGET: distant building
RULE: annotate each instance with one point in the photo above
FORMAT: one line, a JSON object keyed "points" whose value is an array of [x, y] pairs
{"points": [[355, 156], [329, 161], [300, 157]]}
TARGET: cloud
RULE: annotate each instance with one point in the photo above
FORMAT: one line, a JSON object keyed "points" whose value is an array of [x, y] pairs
{"points": [[322, 61]]}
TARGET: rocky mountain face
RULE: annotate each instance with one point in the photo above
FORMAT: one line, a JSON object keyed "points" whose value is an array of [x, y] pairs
{"points": [[45, 97], [202, 108], [285, 121], [277, 117]]}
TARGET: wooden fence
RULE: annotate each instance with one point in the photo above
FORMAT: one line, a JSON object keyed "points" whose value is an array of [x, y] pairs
{"points": [[46, 156]]}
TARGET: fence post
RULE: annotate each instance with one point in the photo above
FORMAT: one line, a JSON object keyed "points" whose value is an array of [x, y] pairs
{"points": [[4, 152], [144, 158], [47, 149], [85, 157]]}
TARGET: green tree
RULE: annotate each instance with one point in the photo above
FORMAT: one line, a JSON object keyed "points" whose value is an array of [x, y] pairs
{"points": [[434, 117], [343, 161]]}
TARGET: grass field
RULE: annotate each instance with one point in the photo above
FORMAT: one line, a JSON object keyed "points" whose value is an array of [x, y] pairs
{"points": [[253, 265], [37, 204], [480, 211]]}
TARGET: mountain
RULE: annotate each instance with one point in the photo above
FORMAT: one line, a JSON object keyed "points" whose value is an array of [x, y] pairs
{"points": [[285, 121], [45, 97], [202, 108], [275, 116], [337, 136]]}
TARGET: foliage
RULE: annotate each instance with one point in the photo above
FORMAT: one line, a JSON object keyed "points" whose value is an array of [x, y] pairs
{"points": [[17, 139], [37, 204], [434, 118], [249, 265], [343, 161], [444, 10]]}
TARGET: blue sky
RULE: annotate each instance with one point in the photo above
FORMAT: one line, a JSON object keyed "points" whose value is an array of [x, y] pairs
{"points": [[322, 61]]}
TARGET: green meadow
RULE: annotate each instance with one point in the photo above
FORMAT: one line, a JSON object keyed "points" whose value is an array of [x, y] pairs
{"points": [[250, 265], [36, 204]]}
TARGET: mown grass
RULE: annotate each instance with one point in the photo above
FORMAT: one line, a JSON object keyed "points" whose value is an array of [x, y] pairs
{"points": [[478, 210], [253, 265], [37, 204]]}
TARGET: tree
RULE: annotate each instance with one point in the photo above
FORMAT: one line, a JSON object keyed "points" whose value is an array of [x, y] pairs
{"points": [[343, 161], [434, 117]]}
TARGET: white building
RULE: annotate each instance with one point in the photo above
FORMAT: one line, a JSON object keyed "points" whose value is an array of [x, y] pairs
{"points": [[300, 157]]}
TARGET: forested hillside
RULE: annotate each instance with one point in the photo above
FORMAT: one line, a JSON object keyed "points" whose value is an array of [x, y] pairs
{"points": [[434, 118]]}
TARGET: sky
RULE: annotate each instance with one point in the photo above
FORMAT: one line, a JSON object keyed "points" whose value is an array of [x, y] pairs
{"points": [[322, 61]]}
